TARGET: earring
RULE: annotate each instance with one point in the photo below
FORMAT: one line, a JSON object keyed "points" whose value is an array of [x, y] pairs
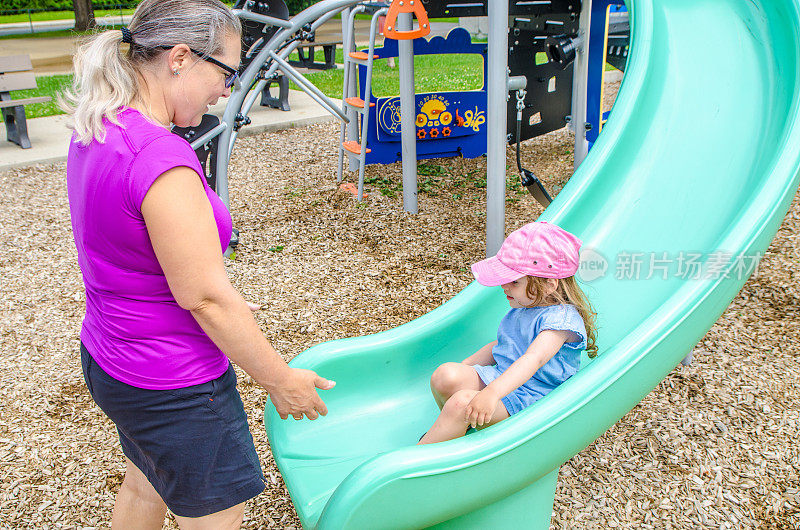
{"points": [[175, 72]]}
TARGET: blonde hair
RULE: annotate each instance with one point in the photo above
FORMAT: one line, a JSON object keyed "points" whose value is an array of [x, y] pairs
{"points": [[567, 292], [107, 79]]}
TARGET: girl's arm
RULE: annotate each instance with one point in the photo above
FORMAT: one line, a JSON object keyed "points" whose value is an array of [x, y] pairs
{"points": [[482, 357], [543, 348]]}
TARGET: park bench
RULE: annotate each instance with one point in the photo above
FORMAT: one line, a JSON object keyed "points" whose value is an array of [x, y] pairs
{"points": [[305, 54], [16, 73]]}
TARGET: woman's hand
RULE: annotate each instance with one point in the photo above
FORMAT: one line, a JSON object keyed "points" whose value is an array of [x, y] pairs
{"points": [[297, 394], [481, 409]]}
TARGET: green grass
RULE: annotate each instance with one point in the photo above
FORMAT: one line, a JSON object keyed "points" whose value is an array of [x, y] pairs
{"points": [[432, 73], [48, 86], [40, 16]]}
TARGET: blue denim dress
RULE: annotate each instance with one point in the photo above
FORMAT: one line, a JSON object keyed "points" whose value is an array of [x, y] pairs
{"points": [[516, 333]]}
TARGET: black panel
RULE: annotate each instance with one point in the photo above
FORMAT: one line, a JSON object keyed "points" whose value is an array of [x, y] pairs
{"points": [[477, 8], [256, 34], [549, 109], [207, 153], [618, 40]]}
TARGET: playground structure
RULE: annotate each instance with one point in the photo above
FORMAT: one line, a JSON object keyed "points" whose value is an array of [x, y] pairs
{"points": [[672, 143], [546, 42], [543, 106]]}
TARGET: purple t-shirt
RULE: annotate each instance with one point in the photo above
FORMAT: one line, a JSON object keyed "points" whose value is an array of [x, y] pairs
{"points": [[134, 328]]}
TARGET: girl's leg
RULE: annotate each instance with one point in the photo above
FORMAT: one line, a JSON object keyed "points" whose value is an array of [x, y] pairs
{"points": [[451, 423], [449, 378], [138, 505]]}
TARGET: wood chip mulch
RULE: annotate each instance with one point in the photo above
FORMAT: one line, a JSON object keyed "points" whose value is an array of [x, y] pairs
{"points": [[713, 446]]}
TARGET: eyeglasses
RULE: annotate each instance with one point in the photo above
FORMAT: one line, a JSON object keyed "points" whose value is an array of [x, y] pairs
{"points": [[233, 75], [231, 80]]}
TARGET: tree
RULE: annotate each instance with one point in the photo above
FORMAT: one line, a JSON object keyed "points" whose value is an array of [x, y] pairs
{"points": [[84, 15]]}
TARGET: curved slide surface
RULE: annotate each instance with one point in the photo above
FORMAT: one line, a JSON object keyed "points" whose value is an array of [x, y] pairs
{"points": [[701, 157]]}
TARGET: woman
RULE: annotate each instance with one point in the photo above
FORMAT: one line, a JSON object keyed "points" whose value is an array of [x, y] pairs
{"points": [[162, 319]]}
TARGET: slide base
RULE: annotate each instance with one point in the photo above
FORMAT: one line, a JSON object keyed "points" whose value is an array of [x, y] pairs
{"points": [[531, 508]]}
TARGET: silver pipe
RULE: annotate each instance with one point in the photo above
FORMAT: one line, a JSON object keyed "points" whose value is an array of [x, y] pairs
{"points": [[496, 121], [264, 19], [351, 130], [252, 96], [580, 86], [209, 135], [312, 91], [283, 55], [348, 130], [517, 82], [362, 159], [306, 16], [246, 106], [408, 128]]}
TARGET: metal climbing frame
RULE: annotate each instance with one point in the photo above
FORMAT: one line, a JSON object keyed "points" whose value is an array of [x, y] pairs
{"points": [[301, 28], [357, 149], [271, 58]]}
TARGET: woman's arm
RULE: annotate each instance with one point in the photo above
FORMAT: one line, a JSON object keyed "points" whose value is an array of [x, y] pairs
{"points": [[541, 350], [181, 226], [482, 357]]}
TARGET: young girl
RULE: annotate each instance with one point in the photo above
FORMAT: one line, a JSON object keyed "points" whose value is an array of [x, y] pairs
{"points": [[539, 340]]}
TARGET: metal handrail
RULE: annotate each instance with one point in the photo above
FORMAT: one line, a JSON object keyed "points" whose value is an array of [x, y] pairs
{"points": [[314, 15], [264, 19], [311, 90], [209, 135]]}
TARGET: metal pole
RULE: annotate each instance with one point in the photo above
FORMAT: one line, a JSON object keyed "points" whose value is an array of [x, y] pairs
{"points": [[580, 85], [264, 19], [315, 93], [30, 20], [362, 157], [234, 104], [349, 45], [209, 135], [408, 128], [496, 120]]}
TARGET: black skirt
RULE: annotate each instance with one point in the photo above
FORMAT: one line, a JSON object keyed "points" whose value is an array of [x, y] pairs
{"points": [[193, 444]]}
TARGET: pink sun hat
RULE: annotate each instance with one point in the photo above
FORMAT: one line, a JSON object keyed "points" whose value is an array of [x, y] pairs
{"points": [[537, 249]]}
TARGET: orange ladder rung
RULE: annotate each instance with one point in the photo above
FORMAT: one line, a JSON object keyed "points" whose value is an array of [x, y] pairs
{"points": [[357, 102], [361, 56], [354, 147]]}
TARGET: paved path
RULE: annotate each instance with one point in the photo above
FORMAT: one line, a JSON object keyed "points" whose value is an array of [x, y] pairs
{"points": [[50, 136], [49, 55], [53, 55], [43, 26]]}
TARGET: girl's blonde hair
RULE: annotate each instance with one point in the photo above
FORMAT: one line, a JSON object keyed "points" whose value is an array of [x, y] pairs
{"points": [[107, 79], [567, 292]]}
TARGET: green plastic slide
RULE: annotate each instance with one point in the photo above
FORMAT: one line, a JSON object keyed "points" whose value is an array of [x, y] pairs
{"points": [[697, 165]]}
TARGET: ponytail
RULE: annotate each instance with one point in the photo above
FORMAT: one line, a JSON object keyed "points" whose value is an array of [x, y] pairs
{"points": [[105, 80], [108, 78]]}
